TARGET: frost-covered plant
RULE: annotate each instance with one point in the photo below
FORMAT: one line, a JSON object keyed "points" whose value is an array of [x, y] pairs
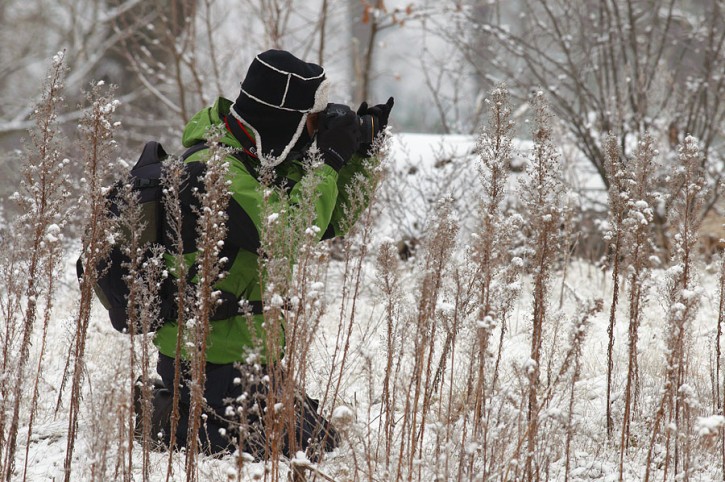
{"points": [[683, 298], [32, 251], [433, 261], [641, 199], [97, 146], [718, 336], [615, 235], [360, 192], [145, 269], [572, 361], [390, 282], [291, 268], [496, 273], [211, 230], [174, 177], [542, 192], [288, 236]]}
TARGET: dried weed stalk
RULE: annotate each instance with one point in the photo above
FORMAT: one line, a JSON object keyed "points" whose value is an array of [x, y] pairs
{"points": [[433, 266], [683, 296], [211, 230], [617, 175], [32, 247], [497, 271], [542, 193], [641, 200], [97, 146], [174, 177]]}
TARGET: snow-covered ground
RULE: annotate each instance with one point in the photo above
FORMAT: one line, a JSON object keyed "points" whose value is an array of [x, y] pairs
{"points": [[425, 168]]}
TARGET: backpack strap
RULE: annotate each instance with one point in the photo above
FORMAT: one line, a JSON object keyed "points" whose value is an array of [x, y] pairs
{"points": [[240, 156], [193, 150], [228, 305]]}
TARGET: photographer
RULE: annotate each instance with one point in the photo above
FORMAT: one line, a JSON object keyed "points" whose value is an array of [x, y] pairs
{"points": [[281, 111]]}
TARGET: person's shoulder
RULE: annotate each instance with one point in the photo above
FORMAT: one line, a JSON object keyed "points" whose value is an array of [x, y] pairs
{"points": [[196, 129]]}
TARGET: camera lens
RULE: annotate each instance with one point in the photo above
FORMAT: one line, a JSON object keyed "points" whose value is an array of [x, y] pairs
{"points": [[367, 129]]}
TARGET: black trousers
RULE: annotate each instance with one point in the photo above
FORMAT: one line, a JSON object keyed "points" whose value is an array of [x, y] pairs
{"points": [[235, 401]]}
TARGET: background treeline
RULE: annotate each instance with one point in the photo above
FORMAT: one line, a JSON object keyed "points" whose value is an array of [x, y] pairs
{"points": [[623, 67]]}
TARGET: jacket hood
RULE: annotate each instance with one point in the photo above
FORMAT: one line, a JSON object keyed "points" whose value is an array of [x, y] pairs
{"points": [[197, 128]]}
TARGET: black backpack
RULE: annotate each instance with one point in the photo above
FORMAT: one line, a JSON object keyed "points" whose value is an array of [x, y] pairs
{"points": [[145, 177], [146, 180]]}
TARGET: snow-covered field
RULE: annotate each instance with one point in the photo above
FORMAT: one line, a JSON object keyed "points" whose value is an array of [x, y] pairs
{"points": [[426, 168]]}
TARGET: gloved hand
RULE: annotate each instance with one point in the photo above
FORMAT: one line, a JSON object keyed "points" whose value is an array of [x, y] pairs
{"points": [[381, 111], [338, 136], [380, 114]]}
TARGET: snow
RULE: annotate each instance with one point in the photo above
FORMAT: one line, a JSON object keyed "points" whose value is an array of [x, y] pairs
{"points": [[342, 416], [709, 426], [419, 177]]}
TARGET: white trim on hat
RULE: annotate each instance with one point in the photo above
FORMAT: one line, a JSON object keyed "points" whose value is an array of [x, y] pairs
{"points": [[301, 111], [290, 73], [266, 160], [321, 95], [292, 142], [286, 89]]}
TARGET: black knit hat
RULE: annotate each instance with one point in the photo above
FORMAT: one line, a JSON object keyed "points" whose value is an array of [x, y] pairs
{"points": [[277, 94]]}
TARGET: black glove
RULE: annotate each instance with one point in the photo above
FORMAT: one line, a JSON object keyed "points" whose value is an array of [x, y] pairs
{"points": [[380, 114], [338, 135], [380, 111]]}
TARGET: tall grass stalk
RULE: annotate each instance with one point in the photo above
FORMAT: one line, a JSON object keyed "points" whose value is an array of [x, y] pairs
{"points": [[355, 246], [616, 173], [497, 270], [35, 238], [718, 352], [433, 261], [211, 231], [174, 177], [542, 195], [641, 201], [97, 146], [579, 331], [683, 296], [389, 279]]}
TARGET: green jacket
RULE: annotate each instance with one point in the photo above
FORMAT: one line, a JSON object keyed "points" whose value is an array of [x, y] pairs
{"points": [[230, 339]]}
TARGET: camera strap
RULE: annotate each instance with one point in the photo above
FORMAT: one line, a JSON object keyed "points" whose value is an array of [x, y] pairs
{"points": [[241, 134]]}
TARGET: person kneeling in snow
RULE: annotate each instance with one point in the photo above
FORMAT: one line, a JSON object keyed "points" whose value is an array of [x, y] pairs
{"points": [[280, 112]]}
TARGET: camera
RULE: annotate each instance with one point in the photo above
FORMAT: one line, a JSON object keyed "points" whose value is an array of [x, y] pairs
{"points": [[366, 123]]}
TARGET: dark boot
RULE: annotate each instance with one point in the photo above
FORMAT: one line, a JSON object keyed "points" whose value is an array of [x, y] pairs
{"points": [[314, 433], [161, 407]]}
